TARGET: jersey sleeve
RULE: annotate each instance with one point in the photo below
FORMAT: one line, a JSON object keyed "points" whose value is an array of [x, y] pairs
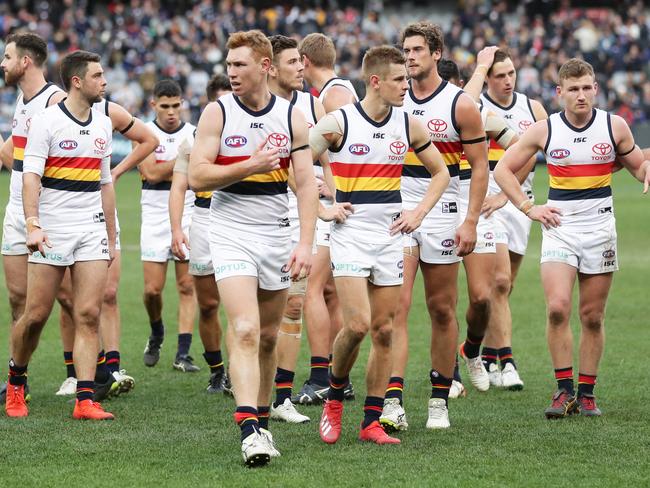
{"points": [[38, 145]]}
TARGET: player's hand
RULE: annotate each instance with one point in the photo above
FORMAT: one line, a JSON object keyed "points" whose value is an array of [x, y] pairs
{"points": [[408, 221], [646, 177], [37, 240], [485, 56], [179, 239], [300, 262], [264, 159], [465, 239], [492, 203], [338, 212], [547, 216], [323, 189], [111, 254]]}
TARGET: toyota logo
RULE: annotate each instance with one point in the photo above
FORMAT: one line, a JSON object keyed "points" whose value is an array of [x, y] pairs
{"points": [[278, 140], [525, 124], [602, 148], [437, 125], [398, 147], [100, 143]]}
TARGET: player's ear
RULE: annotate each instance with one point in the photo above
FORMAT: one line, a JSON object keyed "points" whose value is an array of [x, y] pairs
{"points": [[152, 102], [266, 64], [595, 87], [374, 81]]}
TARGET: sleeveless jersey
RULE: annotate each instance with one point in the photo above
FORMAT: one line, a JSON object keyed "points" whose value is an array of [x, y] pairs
{"points": [[304, 102], [256, 207], [73, 159], [367, 170], [580, 165], [337, 82], [437, 113], [519, 116], [155, 196], [25, 110]]}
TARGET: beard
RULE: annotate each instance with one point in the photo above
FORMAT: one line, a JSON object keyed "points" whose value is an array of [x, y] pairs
{"points": [[422, 74], [13, 77]]}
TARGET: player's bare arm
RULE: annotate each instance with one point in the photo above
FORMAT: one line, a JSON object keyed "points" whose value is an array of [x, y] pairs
{"points": [[136, 131], [472, 136], [36, 236], [514, 159], [337, 96], [204, 175], [153, 171], [7, 153], [307, 195], [177, 192], [484, 60], [108, 206], [629, 154], [432, 160]]}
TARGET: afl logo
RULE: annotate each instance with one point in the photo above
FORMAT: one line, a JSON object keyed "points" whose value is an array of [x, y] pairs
{"points": [[68, 145], [488, 236], [525, 124], [559, 153], [447, 243], [610, 253], [398, 147], [160, 149], [359, 149], [278, 140], [310, 125], [400, 265], [437, 125], [602, 148], [284, 269], [100, 143], [236, 141]]}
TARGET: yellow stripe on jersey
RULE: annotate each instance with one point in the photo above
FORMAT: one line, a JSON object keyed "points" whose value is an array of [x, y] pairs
{"points": [[579, 182], [72, 173], [366, 184], [275, 176], [19, 153]]}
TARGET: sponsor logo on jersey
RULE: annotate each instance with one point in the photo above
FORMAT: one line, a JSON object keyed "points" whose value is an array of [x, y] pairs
{"points": [[559, 153], [449, 207], [398, 148], [359, 149], [524, 125], [602, 151], [278, 140], [100, 144], [236, 141], [609, 253], [447, 243], [437, 125], [160, 149], [68, 145]]}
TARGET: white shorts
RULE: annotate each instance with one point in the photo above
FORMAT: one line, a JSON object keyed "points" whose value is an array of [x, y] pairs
{"points": [[511, 227], [591, 251], [323, 233], [118, 244], [438, 248], [485, 242], [156, 241], [200, 257], [382, 264], [68, 249], [14, 233], [233, 256]]}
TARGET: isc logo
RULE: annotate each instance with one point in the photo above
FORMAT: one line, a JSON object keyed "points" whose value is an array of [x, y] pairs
{"points": [[359, 149], [68, 145], [236, 141]]}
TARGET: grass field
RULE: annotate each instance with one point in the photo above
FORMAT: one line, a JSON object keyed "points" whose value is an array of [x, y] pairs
{"points": [[168, 432]]}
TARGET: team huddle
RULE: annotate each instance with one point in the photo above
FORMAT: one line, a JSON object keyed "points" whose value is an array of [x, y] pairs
{"points": [[280, 205]]}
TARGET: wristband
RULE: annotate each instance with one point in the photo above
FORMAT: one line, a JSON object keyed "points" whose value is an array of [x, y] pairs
{"points": [[33, 221], [526, 206]]}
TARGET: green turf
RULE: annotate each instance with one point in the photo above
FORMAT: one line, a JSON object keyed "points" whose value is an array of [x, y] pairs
{"points": [[168, 432]]}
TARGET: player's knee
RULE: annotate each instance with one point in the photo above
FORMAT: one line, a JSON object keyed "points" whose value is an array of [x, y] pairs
{"points": [[480, 305], [502, 284], [558, 312], [65, 300], [246, 334], [592, 320], [268, 340], [185, 286], [208, 309], [293, 309], [382, 334], [442, 312], [358, 327], [17, 303], [110, 296], [88, 316], [34, 319], [152, 291]]}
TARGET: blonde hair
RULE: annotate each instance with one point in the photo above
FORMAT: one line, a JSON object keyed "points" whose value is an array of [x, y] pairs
{"points": [[575, 68], [377, 61], [319, 49], [255, 40]]}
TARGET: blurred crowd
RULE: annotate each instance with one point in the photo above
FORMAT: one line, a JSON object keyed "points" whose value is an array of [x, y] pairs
{"points": [[144, 40]]}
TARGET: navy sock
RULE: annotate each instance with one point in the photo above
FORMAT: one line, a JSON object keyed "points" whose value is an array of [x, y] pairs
{"points": [[372, 408], [586, 384], [157, 328], [505, 357], [319, 370], [69, 364], [85, 390], [263, 417], [395, 388], [457, 371], [113, 361], [214, 360], [17, 374], [283, 385], [246, 418], [184, 343], [337, 386], [439, 385], [489, 355], [102, 373], [472, 345], [564, 378]]}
